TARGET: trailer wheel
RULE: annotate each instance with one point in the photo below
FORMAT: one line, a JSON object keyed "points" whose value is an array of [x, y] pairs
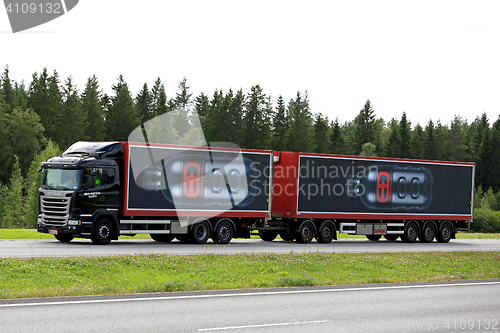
{"points": [[165, 238], [374, 238], [287, 237], [64, 238], [326, 232], [102, 233], [445, 232], [411, 233], [223, 232], [427, 234], [306, 232], [391, 238], [268, 236], [200, 232]]}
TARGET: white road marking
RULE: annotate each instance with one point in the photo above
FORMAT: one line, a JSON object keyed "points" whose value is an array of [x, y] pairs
{"points": [[262, 293], [262, 325]]}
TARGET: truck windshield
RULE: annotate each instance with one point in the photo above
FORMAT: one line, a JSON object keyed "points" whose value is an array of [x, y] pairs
{"points": [[61, 179]]}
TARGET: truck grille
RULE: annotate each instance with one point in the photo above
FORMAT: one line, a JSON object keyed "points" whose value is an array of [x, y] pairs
{"points": [[55, 211]]}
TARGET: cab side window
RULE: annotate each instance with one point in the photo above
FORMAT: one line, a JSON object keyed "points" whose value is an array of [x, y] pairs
{"points": [[98, 176], [103, 176]]}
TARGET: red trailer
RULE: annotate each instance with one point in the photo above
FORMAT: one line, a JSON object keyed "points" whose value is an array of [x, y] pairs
{"points": [[315, 195]]}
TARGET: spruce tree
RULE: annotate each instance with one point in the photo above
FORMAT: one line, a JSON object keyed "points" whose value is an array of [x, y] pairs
{"points": [[364, 126], [74, 120], [159, 99], [441, 137], [300, 135], [405, 137], [337, 138], [394, 143], [183, 98], [280, 125], [202, 108], [92, 106], [430, 142], [214, 118], [321, 134], [456, 143], [122, 117], [417, 142], [257, 120], [54, 110], [8, 91], [236, 109], [6, 154], [143, 102]]}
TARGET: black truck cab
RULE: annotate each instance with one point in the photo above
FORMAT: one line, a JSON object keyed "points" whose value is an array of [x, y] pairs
{"points": [[80, 194]]}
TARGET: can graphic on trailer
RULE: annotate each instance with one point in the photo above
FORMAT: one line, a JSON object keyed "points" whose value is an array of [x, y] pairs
{"points": [[392, 187], [201, 181]]}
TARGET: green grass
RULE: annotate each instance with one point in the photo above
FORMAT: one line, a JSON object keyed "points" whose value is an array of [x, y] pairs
{"points": [[33, 234], [44, 277]]}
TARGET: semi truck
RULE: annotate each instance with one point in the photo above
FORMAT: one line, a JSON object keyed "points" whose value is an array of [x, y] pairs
{"points": [[104, 190]]}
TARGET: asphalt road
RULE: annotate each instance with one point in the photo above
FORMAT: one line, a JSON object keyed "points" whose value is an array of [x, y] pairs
{"points": [[27, 248], [472, 306]]}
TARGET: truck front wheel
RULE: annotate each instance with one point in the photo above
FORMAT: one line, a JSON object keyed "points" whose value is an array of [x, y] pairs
{"points": [[102, 233]]}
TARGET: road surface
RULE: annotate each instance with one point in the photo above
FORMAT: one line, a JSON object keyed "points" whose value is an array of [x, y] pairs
{"points": [[28, 248], [468, 306]]}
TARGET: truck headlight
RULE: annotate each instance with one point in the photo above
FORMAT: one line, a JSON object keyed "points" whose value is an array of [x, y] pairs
{"points": [[74, 222]]}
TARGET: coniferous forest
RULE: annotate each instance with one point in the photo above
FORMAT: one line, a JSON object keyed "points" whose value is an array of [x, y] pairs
{"points": [[41, 118]]}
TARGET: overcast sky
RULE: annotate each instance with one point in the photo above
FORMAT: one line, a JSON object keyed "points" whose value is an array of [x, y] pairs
{"points": [[432, 59]]}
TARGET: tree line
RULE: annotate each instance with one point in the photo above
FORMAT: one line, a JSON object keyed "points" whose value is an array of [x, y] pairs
{"points": [[48, 114]]}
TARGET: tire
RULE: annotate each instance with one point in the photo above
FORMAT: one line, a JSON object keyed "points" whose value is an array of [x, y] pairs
{"points": [[223, 232], [374, 238], [445, 233], [428, 233], [268, 236], [326, 232], [102, 233], [64, 238], [287, 237], [165, 238], [200, 232], [411, 233], [391, 238], [306, 233]]}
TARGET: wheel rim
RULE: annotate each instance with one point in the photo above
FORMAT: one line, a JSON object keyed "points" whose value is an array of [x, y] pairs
{"points": [[104, 232], [306, 232], [446, 232], [326, 232], [201, 231], [412, 232], [224, 232]]}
